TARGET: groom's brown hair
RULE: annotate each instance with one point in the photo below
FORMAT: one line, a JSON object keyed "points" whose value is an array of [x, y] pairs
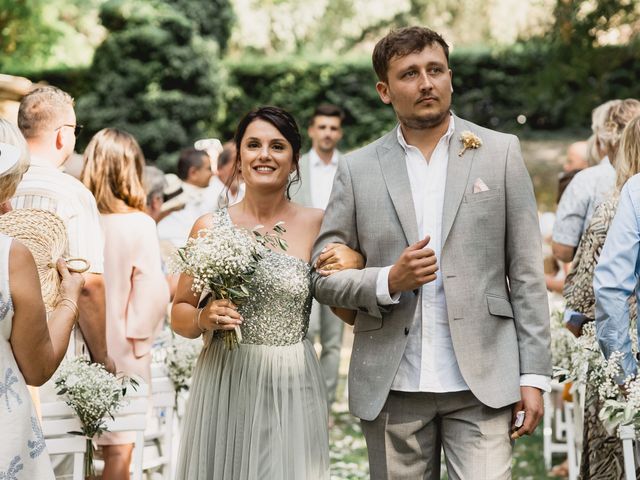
{"points": [[401, 42]]}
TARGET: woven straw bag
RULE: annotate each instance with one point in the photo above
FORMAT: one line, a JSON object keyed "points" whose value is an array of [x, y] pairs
{"points": [[45, 235]]}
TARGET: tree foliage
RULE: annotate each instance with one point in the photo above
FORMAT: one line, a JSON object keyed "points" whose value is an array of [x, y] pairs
{"points": [[214, 18], [490, 88], [25, 36], [153, 76]]}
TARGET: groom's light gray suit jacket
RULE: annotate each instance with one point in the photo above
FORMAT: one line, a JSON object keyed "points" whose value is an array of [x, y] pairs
{"points": [[491, 266]]}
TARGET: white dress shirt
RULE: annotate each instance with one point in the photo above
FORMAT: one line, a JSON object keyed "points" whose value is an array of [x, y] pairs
{"points": [[321, 177], [429, 363]]}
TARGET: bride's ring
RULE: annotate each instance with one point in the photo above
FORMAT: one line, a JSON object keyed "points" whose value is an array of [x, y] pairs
{"points": [[217, 320]]}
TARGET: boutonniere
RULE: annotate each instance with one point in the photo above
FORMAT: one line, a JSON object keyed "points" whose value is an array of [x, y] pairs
{"points": [[469, 141]]}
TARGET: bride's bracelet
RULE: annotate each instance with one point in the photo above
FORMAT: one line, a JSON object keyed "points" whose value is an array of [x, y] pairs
{"points": [[71, 305], [196, 320]]}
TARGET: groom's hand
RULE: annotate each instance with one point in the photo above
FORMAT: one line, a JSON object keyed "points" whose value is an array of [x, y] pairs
{"points": [[416, 266], [533, 406]]}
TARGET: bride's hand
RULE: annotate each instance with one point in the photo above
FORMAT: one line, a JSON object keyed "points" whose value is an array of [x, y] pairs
{"points": [[336, 257], [218, 315]]}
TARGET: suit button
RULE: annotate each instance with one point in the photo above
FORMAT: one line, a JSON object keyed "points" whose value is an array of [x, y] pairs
{"points": [[406, 330], [416, 291]]}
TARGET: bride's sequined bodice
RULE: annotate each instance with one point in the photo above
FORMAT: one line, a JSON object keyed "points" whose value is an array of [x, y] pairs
{"points": [[278, 311]]}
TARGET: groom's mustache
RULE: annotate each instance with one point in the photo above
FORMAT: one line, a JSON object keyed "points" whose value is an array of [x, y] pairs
{"points": [[427, 97]]}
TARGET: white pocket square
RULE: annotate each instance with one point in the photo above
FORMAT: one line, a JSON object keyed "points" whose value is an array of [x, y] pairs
{"points": [[479, 186]]}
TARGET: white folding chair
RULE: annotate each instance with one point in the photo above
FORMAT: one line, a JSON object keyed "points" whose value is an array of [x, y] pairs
{"points": [[163, 401], [131, 417], [58, 419], [554, 431], [627, 435], [572, 456]]}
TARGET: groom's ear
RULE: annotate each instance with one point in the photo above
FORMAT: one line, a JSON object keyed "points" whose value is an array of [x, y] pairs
{"points": [[383, 90]]}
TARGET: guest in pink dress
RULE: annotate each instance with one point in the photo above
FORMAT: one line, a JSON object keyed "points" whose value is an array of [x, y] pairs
{"points": [[136, 291]]}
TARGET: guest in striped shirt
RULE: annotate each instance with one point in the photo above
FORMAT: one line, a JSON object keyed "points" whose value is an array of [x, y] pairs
{"points": [[47, 120]]}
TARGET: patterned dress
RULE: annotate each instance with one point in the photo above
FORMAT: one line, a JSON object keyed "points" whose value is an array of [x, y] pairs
{"points": [[23, 453], [259, 411], [602, 457]]}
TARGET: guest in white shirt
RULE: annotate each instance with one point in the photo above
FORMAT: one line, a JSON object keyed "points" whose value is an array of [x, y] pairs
{"points": [[47, 120], [194, 169], [317, 170], [226, 188]]}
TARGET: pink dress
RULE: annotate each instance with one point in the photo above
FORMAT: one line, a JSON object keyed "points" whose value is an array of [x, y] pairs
{"points": [[137, 296]]}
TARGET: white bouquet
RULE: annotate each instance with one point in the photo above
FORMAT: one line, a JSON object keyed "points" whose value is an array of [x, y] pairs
{"points": [[222, 260], [94, 394], [180, 359], [621, 403], [563, 344]]}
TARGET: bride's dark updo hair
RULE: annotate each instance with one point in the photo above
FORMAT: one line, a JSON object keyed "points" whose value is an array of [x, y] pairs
{"points": [[286, 125]]}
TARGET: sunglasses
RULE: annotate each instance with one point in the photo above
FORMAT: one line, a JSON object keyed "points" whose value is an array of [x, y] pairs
{"points": [[76, 129]]}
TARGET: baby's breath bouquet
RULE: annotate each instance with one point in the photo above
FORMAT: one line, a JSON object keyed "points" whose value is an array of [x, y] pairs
{"points": [[621, 403], [222, 260], [180, 359], [94, 394]]}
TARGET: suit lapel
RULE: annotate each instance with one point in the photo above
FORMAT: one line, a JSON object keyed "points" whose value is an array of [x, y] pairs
{"points": [[458, 169], [394, 170]]}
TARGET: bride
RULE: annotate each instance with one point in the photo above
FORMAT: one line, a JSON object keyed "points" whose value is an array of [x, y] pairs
{"points": [[259, 411]]}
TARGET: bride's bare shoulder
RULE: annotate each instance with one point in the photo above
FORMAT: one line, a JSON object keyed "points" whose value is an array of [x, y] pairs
{"points": [[310, 218]]}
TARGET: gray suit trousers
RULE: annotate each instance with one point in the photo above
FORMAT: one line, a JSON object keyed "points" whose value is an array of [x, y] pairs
{"points": [[405, 440]]}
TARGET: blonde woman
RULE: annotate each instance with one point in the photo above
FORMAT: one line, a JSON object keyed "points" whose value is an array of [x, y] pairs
{"points": [[601, 453], [30, 349], [136, 291]]}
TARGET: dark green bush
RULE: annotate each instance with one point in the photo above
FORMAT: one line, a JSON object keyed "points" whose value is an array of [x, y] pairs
{"points": [[153, 76], [160, 82], [493, 89]]}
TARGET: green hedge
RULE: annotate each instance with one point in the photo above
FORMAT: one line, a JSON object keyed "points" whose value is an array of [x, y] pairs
{"points": [[492, 89], [554, 90]]}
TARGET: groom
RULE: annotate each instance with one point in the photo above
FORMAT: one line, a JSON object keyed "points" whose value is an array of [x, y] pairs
{"points": [[452, 328]]}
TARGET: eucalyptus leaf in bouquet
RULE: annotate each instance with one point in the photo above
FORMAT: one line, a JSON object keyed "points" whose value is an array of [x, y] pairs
{"points": [[222, 260]]}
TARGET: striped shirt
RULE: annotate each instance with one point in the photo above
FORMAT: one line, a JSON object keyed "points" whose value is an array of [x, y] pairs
{"points": [[47, 188]]}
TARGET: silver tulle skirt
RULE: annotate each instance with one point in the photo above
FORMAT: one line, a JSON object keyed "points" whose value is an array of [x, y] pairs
{"points": [[256, 412]]}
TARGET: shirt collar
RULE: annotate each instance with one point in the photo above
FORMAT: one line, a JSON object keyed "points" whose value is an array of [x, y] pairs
{"points": [[605, 161], [447, 136], [40, 161], [316, 161]]}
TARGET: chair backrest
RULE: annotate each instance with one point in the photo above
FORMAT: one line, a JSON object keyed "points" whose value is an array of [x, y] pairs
{"points": [[133, 417], [58, 419], [163, 400]]}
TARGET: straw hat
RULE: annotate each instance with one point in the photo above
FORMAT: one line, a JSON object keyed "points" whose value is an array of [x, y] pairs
{"points": [[45, 235]]}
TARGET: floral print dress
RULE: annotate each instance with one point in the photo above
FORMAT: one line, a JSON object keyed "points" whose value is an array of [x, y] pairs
{"points": [[23, 452]]}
